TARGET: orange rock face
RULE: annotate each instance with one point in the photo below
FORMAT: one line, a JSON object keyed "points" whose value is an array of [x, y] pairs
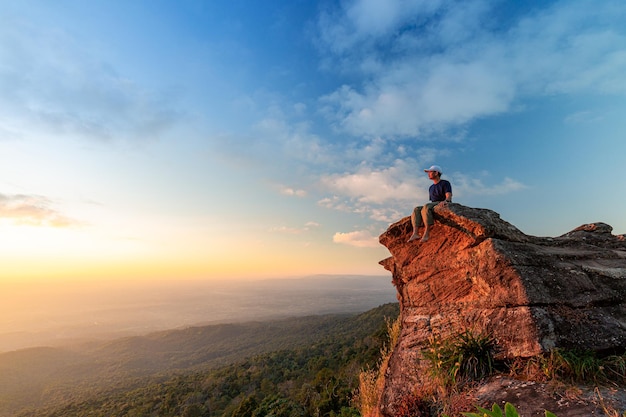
{"points": [[477, 272]]}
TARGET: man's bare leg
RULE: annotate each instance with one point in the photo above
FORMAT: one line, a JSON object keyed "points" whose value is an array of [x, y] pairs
{"points": [[415, 235], [426, 225]]}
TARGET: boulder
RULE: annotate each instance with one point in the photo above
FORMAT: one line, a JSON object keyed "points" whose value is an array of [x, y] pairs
{"points": [[532, 294]]}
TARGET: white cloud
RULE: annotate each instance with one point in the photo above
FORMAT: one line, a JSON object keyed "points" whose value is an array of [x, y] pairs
{"points": [[453, 68], [571, 48], [33, 210], [360, 239], [471, 186], [381, 213], [292, 191], [387, 214], [584, 117], [408, 100], [364, 20], [299, 108], [295, 230], [287, 230], [369, 185], [276, 145]]}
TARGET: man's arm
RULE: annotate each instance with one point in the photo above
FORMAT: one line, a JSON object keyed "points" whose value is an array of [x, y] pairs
{"points": [[448, 199]]}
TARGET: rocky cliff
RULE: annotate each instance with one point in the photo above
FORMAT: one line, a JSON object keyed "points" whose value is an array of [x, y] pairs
{"points": [[479, 272]]}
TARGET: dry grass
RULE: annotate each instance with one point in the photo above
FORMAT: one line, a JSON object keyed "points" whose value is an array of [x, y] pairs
{"points": [[371, 381], [608, 409]]}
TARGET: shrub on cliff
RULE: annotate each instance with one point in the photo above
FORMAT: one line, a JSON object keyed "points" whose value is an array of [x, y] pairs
{"points": [[463, 357]]}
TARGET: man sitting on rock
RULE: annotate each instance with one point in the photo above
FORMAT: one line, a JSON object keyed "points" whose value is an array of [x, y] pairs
{"points": [[440, 193]]}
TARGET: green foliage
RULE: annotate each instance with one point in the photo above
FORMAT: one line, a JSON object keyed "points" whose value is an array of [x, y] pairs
{"points": [[465, 355], [576, 366], [496, 411], [615, 369], [275, 406], [246, 408]]}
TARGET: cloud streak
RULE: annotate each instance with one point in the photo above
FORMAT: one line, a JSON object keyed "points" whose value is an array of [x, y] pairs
{"points": [[295, 230], [292, 192], [359, 239], [469, 186], [32, 210]]}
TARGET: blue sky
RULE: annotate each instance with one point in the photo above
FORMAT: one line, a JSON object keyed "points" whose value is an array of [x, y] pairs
{"points": [[200, 139]]}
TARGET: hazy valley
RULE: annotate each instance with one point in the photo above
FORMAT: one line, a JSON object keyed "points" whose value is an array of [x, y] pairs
{"points": [[56, 315]]}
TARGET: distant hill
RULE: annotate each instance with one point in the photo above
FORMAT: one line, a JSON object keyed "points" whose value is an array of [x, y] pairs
{"points": [[43, 380]]}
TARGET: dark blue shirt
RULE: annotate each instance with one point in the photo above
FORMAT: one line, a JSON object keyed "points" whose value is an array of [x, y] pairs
{"points": [[438, 191]]}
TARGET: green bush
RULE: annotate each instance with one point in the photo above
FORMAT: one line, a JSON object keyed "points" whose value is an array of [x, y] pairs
{"points": [[581, 366], [615, 368], [465, 356]]}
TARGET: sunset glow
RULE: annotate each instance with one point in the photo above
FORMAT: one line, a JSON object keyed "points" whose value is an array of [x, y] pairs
{"points": [[205, 140]]}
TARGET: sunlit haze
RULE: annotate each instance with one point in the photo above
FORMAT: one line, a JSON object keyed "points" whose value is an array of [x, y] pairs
{"points": [[199, 140]]}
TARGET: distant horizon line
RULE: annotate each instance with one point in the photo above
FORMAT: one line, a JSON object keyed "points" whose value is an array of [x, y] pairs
{"points": [[183, 280]]}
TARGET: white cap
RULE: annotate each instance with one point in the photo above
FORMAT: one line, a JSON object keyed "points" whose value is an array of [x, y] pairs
{"points": [[434, 168]]}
